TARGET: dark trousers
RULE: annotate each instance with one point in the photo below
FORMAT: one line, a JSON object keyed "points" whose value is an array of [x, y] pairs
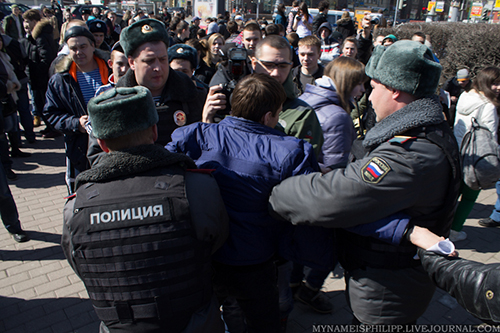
{"points": [[8, 209], [25, 117], [255, 290], [315, 278]]}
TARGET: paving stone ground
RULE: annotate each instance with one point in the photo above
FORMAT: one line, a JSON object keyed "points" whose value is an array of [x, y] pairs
{"points": [[40, 293]]}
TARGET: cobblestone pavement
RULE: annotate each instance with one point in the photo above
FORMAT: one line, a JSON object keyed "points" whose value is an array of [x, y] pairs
{"points": [[39, 292]]}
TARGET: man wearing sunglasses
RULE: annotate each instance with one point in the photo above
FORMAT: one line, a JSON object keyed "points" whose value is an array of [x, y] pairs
{"points": [[273, 57]]}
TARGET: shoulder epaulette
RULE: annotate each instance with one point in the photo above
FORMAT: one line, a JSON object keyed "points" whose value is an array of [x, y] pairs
{"points": [[401, 139]]}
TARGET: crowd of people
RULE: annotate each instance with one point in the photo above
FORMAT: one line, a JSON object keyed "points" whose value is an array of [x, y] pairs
{"points": [[208, 167]]}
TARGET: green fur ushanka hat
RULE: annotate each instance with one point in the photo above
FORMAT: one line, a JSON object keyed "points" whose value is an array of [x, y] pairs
{"points": [[121, 111], [142, 31], [407, 66]]}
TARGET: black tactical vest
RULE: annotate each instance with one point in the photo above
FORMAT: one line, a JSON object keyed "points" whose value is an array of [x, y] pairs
{"points": [[136, 251], [357, 251]]}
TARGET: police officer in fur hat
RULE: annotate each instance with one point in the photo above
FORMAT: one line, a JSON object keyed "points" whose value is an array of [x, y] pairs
{"points": [[161, 223], [409, 163], [178, 101]]}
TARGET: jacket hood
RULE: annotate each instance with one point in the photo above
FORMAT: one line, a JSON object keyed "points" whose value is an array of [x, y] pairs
{"points": [[319, 96], [324, 25], [64, 64], [43, 26], [470, 102]]}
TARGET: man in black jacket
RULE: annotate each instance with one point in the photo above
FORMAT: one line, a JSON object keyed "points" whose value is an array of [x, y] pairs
{"points": [[178, 101], [41, 50], [321, 17]]}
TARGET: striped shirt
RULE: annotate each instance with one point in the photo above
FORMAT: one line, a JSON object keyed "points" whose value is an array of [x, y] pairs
{"points": [[89, 83], [157, 99]]}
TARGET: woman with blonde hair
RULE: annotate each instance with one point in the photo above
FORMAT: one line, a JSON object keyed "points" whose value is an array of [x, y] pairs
{"points": [[482, 103], [212, 55]]}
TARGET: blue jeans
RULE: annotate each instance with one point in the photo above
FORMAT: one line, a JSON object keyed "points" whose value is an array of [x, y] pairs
{"points": [[495, 215]]}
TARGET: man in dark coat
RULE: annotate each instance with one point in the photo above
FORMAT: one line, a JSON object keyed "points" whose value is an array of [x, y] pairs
{"points": [[178, 101], [40, 50], [321, 17], [13, 24], [77, 78]]}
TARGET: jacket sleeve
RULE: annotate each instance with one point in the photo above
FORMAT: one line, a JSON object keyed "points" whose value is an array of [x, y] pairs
{"points": [[348, 197], [55, 108], [45, 54], [66, 235], [185, 141], [474, 285], [390, 229], [489, 118], [306, 127], [94, 151]]}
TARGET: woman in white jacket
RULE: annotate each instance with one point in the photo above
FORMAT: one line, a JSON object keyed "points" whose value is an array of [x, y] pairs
{"points": [[481, 102]]}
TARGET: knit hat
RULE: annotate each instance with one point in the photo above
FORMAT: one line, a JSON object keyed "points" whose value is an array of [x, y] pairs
{"points": [[391, 37], [97, 26], [212, 28], [78, 31], [183, 51], [337, 35], [407, 66], [140, 32], [463, 75], [121, 111]]}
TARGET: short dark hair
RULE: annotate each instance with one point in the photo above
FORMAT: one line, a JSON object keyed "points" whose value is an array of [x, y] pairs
{"points": [[201, 33], [232, 27], [252, 26], [255, 95], [272, 29], [323, 5], [274, 41], [419, 34], [295, 3], [32, 15], [293, 38], [182, 25]]}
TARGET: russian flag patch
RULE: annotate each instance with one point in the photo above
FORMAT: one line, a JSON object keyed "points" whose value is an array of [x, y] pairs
{"points": [[375, 170]]}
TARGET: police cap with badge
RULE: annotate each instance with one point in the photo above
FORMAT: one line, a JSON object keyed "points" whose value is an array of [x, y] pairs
{"points": [[140, 32], [185, 52], [121, 111], [97, 26]]}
